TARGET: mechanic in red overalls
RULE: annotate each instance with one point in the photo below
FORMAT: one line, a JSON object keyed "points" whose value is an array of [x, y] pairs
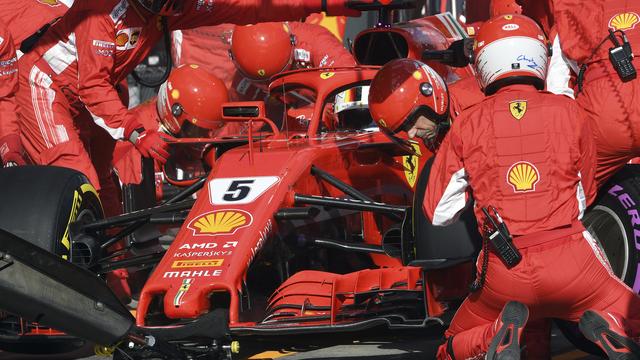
{"points": [[529, 154], [76, 64], [276, 46], [11, 150], [189, 104], [612, 104]]}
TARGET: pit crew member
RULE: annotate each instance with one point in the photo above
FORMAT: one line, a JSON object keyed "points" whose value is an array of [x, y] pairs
{"points": [[76, 64], [529, 154], [188, 104], [11, 150], [267, 48], [611, 102]]}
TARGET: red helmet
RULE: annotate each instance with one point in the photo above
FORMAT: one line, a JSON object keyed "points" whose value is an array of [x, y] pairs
{"points": [[262, 50], [162, 7], [504, 7], [510, 49], [190, 102], [403, 90]]}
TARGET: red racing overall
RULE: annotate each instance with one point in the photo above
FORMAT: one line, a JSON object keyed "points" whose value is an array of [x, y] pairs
{"points": [[612, 106], [529, 154]]}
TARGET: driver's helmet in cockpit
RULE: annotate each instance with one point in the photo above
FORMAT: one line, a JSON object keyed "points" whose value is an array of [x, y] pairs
{"points": [[351, 108]]}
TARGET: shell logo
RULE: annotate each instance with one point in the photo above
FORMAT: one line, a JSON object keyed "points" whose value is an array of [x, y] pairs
{"points": [[382, 123], [523, 176], [624, 21], [122, 39], [220, 222], [49, 2], [417, 75]]}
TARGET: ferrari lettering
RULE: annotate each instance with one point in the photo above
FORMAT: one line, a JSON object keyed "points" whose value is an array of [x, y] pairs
{"points": [[239, 190], [192, 274], [264, 234]]}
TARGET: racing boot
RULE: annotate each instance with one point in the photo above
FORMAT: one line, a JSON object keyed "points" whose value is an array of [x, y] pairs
{"points": [[606, 331], [505, 345]]}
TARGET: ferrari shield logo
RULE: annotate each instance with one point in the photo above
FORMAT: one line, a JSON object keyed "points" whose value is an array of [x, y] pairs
{"points": [[411, 165], [326, 75], [186, 284], [518, 108]]}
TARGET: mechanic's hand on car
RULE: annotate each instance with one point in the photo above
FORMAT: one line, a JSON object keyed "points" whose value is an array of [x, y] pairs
{"points": [[11, 151], [152, 144]]}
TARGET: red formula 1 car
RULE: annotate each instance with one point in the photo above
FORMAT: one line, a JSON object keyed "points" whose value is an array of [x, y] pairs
{"points": [[305, 220], [302, 225]]}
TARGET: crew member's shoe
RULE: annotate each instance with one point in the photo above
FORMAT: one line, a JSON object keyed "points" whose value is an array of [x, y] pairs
{"points": [[505, 345], [606, 331]]}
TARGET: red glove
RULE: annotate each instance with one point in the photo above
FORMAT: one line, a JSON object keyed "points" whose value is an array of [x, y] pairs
{"points": [[152, 144], [11, 151]]}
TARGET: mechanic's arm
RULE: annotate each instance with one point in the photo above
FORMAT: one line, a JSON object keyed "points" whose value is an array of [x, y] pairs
{"points": [[326, 49], [447, 189], [561, 71], [241, 12], [10, 145], [95, 41]]}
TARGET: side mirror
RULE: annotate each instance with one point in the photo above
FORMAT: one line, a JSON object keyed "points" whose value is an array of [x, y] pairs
{"points": [[459, 53]]}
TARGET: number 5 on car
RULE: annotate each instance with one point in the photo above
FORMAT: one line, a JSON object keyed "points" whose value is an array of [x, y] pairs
{"points": [[239, 191]]}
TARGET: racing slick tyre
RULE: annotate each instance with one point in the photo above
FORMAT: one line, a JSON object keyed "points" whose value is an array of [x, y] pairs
{"points": [[39, 204], [614, 221]]}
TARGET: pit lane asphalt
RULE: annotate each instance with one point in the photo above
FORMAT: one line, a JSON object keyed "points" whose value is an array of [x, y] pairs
{"points": [[393, 346]]}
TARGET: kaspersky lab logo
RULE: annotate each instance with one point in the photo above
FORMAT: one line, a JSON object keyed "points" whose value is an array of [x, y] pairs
{"points": [[220, 222]]}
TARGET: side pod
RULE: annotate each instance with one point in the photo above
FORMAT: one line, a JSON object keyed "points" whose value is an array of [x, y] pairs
{"points": [[44, 288]]}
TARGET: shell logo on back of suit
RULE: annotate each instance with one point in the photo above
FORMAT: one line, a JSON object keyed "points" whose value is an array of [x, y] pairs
{"points": [[523, 176], [49, 2], [624, 21]]}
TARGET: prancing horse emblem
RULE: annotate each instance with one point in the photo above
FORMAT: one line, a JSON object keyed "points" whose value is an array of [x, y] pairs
{"points": [[518, 108]]}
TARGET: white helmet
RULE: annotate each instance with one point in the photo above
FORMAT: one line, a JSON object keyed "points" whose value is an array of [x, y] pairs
{"points": [[510, 49]]}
